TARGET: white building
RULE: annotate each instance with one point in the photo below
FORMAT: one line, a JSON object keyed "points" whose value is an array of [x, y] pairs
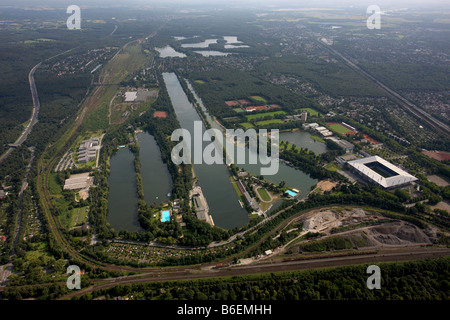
{"points": [[380, 172]]}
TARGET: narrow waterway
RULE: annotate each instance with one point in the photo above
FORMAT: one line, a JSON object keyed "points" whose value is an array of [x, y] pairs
{"points": [[214, 179]]}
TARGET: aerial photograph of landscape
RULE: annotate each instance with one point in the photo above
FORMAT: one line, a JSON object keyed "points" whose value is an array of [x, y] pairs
{"points": [[224, 158]]}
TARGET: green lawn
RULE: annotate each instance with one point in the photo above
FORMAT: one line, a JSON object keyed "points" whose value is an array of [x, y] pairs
{"points": [[317, 138], [246, 125], [311, 112], [266, 122], [263, 193], [258, 99], [262, 115], [332, 166], [238, 110]]}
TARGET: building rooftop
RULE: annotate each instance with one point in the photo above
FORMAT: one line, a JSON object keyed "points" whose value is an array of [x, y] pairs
{"points": [[78, 181], [381, 172]]}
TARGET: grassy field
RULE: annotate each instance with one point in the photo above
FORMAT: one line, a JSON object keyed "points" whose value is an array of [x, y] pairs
{"points": [[266, 122], [258, 99], [263, 115], [263, 194], [318, 139], [246, 125], [332, 166], [238, 110], [311, 112], [339, 128]]}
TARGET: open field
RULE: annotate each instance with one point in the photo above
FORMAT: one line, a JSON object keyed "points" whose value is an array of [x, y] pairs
{"points": [[266, 122], [339, 128], [311, 112], [263, 194], [263, 115], [258, 99], [246, 125]]}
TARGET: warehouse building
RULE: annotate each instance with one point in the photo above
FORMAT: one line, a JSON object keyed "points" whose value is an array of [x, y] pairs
{"points": [[79, 181]]}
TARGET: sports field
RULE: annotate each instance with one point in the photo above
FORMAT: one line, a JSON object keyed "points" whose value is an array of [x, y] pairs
{"points": [[264, 195], [339, 128]]}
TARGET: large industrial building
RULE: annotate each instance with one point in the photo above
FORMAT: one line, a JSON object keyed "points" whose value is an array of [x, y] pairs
{"points": [[88, 150], [380, 172], [79, 181]]}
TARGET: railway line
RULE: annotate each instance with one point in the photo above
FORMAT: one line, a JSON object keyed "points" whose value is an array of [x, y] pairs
{"points": [[281, 266]]}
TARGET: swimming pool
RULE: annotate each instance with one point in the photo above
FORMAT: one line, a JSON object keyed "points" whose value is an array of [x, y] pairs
{"points": [[291, 193], [165, 215]]}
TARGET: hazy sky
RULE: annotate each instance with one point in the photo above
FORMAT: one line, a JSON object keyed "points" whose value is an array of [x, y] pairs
{"points": [[181, 3]]}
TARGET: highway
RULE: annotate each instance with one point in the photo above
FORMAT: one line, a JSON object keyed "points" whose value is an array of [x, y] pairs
{"points": [[412, 108], [34, 115]]}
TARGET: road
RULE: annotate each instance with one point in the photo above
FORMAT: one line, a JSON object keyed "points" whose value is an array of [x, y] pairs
{"points": [[418, 112], [34, 115]]}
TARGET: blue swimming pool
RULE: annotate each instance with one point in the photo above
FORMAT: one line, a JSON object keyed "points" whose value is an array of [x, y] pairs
{"points": [[165, 216], [291, 193]]}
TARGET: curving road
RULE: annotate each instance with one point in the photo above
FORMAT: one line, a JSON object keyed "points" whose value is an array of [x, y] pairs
{"points": [[34, 115]]}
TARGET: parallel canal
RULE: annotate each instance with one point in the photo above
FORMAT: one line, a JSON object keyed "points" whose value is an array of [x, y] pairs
{"points": [[214, 179]]}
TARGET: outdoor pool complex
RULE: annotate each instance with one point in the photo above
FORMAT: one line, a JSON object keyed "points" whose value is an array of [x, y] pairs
{"points": [[291, 193], [165, 216]]}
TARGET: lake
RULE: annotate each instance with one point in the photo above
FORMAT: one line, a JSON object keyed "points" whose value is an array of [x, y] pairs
{"points": [[156, 178], [302, 139], [169, 52], [123, 198]]}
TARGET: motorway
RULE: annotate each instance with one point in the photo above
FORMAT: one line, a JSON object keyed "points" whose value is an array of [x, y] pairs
{"points": [[34, 115], [412, 108]]}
